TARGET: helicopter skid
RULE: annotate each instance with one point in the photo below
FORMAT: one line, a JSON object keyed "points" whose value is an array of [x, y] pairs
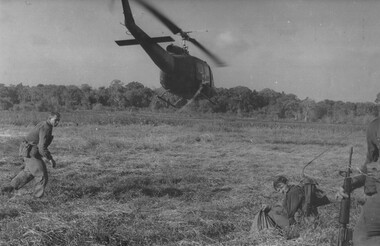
{"points": [[166, 101]]}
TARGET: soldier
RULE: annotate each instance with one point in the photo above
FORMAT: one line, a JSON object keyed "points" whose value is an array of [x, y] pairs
{"points": [[367, 228], [33, 148], [373, 144], [373, 140], [283, 216]]}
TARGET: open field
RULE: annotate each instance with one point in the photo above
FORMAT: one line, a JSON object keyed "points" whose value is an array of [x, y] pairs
{"points": [[150, 180]]}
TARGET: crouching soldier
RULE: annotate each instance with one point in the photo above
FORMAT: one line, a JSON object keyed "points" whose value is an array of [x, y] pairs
{"points": [[298, 204], [33, 148]]}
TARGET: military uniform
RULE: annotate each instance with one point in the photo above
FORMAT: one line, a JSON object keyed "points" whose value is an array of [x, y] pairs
{"points": [[373, 146], [283, 215], [37, 141], [367, 228], [293, 203]]}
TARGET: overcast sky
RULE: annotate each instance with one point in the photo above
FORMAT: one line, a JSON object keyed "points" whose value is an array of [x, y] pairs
{"points": [[325, 49]]}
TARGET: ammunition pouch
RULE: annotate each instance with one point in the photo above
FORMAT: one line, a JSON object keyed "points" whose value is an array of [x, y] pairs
{"points": [[24, 149]]}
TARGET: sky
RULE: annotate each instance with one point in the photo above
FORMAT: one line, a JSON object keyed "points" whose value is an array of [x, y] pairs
{"points": [[325, 49]]}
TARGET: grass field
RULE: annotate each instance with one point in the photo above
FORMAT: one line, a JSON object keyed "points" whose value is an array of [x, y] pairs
{"points": [[170, 180]]}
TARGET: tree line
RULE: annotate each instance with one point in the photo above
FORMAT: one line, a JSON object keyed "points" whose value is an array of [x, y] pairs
{"points": [[241, 101]]}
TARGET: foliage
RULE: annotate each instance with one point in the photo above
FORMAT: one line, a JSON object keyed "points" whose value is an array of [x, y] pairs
{"points": [[377, 100], [241, 101]]}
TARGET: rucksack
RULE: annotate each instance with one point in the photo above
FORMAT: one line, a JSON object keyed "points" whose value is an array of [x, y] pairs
{"points": [[314, 196]]}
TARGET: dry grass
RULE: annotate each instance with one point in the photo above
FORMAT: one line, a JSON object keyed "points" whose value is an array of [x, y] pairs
{"points": [[192, 182]]}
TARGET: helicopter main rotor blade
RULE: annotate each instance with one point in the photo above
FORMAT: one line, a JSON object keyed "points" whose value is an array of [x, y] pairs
{"points": [[215, 59], [172, 27], [175, 30]]}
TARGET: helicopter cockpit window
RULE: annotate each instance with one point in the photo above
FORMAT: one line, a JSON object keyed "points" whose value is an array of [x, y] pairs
{"points": [[200, 71], [207, 74], [203, 72]]}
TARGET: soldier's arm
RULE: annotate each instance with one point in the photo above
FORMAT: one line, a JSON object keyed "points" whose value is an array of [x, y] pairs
{"points": [[358, 181], [44, 142]]}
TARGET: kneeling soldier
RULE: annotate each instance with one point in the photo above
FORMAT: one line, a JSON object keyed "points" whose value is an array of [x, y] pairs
{"points": [[299, 203]]}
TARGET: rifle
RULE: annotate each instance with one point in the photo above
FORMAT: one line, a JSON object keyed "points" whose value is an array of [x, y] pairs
{"points": [[345, 233]]}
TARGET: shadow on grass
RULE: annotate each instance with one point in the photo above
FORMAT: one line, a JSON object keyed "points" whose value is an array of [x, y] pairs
{"points": [[8, 213], [153, 192], [303, 142]]}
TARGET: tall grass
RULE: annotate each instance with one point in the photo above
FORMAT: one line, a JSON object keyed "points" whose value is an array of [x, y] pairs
{"points": [[171, 180]]}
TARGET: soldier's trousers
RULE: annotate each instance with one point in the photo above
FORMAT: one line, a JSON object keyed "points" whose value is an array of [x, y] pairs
{"points": [[367, 229], [35, 168]]}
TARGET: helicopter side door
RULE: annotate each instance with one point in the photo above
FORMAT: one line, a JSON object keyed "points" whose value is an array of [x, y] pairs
{"points": [[203, 73]]}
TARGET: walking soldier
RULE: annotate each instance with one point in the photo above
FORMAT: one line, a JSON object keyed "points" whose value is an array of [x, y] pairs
{"points": [[33, 149]]}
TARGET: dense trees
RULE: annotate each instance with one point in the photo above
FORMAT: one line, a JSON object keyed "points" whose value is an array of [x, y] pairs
{"points": [[242, 101]]}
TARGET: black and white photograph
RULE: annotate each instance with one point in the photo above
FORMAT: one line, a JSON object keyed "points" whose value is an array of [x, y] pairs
{"points": [[189, 122]]}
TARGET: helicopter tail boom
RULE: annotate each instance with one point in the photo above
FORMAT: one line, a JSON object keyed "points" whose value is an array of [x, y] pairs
{"points": [[159, 56], [127, 13]]}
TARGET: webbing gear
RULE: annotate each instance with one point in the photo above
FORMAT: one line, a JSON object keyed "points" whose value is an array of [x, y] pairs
{"points": [[24, 149]]}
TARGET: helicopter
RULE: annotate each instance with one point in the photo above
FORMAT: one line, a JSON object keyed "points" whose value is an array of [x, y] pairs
{"points": [[181, 74]]}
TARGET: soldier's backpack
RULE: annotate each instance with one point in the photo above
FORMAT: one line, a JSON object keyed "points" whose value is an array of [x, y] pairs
{"points": [[314, 196]]}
